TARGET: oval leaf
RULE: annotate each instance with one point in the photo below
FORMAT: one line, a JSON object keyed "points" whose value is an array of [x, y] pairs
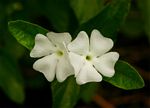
{"points": [[126, 77], [25, 32]]}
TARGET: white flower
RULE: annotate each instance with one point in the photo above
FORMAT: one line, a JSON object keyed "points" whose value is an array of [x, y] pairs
{"points": [[55, 59], [90, 58]]}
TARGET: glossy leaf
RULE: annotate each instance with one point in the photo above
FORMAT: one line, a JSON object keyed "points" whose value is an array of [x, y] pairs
{"points": [[109, 19], [25, 32], [126, 77], [11, 81], [65, 94]]}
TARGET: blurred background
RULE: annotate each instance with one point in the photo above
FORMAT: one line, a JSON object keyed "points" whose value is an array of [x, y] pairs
{"points": [[22, 87]]}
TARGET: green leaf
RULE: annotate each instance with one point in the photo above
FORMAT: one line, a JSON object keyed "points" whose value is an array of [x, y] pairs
{"points": [[65, 94], [144, 7], [25, 32], [60, 15], [86, 9], [133, 26], [88, 91], [109, 19], [126, 77], [11, 81]]}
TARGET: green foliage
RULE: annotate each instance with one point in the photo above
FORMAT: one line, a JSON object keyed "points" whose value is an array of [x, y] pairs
{"points": [[109, 19], [61, 15], [133, 25], [126, 77], [25, 32], [66, 94], [11, 80], [86, 9], [88, 91], [144, 6]]}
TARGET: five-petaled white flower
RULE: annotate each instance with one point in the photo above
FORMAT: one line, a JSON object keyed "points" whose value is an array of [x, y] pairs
{"points": [[90, 58], [55, 59]]}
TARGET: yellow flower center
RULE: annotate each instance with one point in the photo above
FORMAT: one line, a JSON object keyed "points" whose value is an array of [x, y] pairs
{"points": [[88, 58], [59, 53]]}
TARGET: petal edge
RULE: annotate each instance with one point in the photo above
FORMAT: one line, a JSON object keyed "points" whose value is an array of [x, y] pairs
{"points": [[105, 64], [42, 46], [88, 74], [47, 66], [80, 45], [99, 44]]}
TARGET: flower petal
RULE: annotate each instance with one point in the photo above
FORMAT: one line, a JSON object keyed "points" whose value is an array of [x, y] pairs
{"points": [[47, 65], [64, 69], [99, 44], [80, 45], [42, 46], [77, 62], [105, 64], [58, 38], [88, 74]]}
